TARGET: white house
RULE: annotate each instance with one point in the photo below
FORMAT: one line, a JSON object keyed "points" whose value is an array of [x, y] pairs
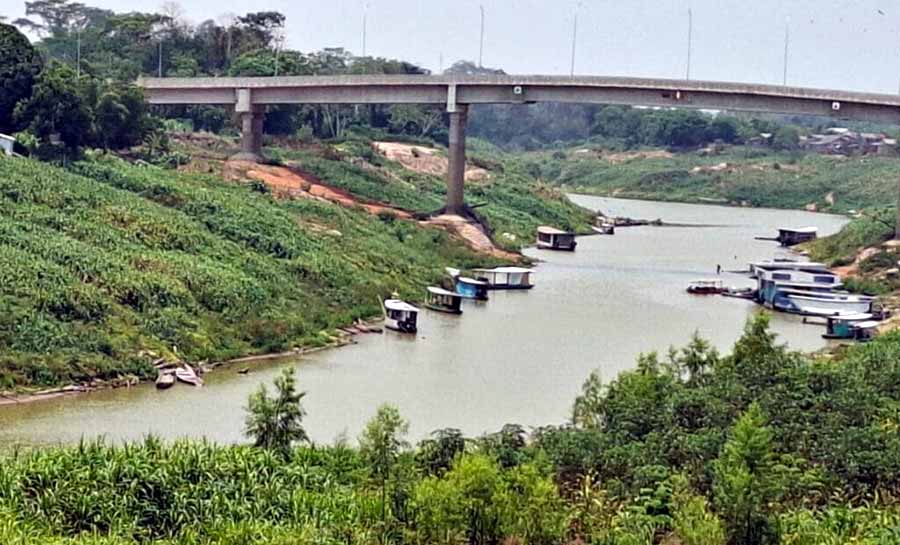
{"points": [[6, 144]]}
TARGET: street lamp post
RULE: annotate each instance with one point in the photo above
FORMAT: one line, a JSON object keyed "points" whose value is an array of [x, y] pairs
{"points": [[690, 44], [481, 38]]}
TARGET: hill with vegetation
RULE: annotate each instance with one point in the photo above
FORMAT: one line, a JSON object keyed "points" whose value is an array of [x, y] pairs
{"points": [[759, 447], [738, 175]]}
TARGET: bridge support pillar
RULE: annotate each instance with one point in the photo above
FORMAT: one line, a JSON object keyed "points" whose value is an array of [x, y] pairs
{"points": [[251, 135], [456, 169]]}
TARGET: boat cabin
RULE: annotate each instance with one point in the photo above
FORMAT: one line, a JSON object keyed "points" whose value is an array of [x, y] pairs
{"points": [[505, 278], [471, 288], [774, 286], [792, 237], [400, 316], [786, 265], [442, 300], [706, 287], [550, 238], [842, 326]]}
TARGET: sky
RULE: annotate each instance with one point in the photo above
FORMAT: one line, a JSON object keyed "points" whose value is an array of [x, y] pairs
{"points": [[836, 44]]}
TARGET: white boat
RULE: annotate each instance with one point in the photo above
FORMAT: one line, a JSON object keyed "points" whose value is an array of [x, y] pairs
{"points": [[505, 278], [787, 265], [400, 316], [814, 303], [186, 374]]}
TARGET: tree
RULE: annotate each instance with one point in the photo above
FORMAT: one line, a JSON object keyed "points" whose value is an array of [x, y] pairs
{"points": [[436, 454], [786, 138], [276, 423], [381, 443], [19, 65], [744, 480], [56, 108], [418, 120]]}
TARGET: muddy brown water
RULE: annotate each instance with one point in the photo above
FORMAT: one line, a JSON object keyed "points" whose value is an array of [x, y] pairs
{"points": [[521, 357]]}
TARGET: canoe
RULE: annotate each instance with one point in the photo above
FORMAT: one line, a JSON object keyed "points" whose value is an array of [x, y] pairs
{"points": [[187, 375], [165, 380]]}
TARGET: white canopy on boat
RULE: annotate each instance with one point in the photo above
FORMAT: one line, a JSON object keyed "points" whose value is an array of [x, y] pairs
{"points": [[512, 270], [800, 229], [551, 230], [467, 280], [397, 304], [830, 313], [866, 325], [442, 291], [858, 317]]}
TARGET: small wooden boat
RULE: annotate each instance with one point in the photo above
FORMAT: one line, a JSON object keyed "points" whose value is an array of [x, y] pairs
{"points": [[705, 287], [846, 326], [551, 238], [505, 278], [605, 229], [469, 287], [187, 375], [165, 380], [740, 293], [442, 300], [400, 316]]}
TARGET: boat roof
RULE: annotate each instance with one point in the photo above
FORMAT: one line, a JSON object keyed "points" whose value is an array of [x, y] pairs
{"points": [[799, 229], [852, 298], [397, 304], [467, 280], [707, 281], [828, 313], [857, 317], [547, 230], [790, 265], [866, 325], [442, 291], [505, 270]]}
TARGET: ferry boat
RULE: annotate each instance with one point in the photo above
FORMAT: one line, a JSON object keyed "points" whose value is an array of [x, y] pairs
{"points": [[442, 300], [505, 278], [400, 316], [551, 238], [471, 288]]}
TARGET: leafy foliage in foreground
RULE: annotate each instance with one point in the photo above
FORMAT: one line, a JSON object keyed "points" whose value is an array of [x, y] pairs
{"points": [[760, 447], [104, 260]]}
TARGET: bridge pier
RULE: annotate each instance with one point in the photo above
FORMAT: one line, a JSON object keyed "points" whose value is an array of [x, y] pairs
{"points": [[456, 156], [251, 127]]}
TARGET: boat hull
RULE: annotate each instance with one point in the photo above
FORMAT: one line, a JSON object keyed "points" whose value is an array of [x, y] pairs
{"points": [[814, 305], [445, 310]]}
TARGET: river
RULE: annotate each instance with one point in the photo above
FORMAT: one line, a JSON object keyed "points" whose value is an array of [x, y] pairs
{"points": [[521, 357]]}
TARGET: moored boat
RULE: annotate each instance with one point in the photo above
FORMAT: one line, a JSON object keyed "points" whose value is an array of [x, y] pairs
{"points": [[551, 238], [505, 278], [165, 380], [791, 237], [187, 375], [815, 303], [443, 300], [400, 316], [844, 326], [469, 287], [706, 287]]}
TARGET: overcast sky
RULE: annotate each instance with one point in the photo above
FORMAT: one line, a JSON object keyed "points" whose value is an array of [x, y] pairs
{"points": [[842, 44]]}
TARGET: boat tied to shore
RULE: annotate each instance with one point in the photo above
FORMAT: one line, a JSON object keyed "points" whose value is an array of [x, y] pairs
{"points": [[505, 278], [551, 238], [443, 300], [400, 315]]}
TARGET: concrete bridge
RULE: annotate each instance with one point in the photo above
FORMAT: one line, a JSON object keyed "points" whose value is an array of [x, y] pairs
{"points": [[250, 96]]}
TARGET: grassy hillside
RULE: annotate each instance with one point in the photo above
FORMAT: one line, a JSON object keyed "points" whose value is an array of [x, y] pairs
{"points": [[751, 176], [510, 199], [107, 259]]}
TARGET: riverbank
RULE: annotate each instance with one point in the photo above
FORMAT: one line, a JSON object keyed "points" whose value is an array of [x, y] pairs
{"points": [[730, 175]]}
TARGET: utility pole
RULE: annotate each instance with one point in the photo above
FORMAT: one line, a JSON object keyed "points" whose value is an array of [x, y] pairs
{"points": [[365, 21], [441, 63], [481, 38], [574, 41], [787, 41], [690, 43], [159, 69]]}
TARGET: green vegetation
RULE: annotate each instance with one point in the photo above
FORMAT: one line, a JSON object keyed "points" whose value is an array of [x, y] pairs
{"points": [[277, 423], [759, 447], [106, 261], [749, 176], [509, 200]]}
